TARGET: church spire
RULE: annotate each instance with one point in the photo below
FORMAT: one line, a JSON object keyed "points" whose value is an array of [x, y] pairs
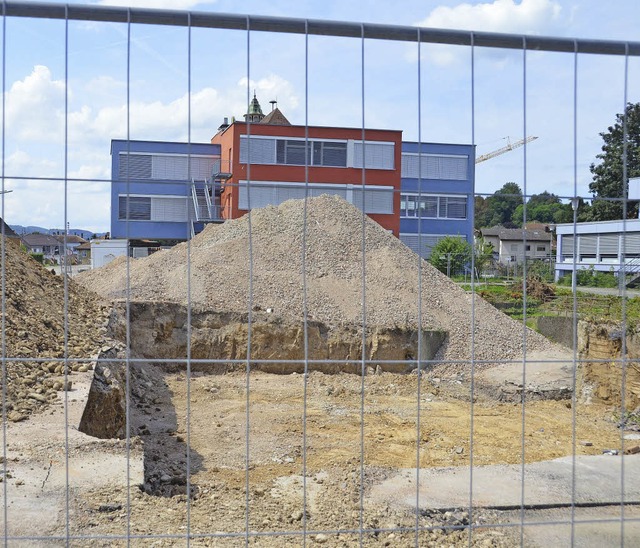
{"points": [[254, 112]]}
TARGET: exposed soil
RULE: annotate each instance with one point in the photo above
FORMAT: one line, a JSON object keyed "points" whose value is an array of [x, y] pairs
{"points": [[332, 432], [225, 453]]}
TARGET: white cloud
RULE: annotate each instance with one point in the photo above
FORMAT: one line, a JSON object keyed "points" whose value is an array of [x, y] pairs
{"points": [[506, 16], [157, 4], [36, 116], [526, 17], [271, 87], [35, 106]]}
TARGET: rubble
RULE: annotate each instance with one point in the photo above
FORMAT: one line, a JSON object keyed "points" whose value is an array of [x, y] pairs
{"points": [[36, 330]]}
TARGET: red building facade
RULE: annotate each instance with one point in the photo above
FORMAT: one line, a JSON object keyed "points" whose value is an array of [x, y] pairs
{"points": [[265, 160]]}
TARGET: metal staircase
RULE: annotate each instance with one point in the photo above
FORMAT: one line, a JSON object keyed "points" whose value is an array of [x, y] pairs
{"points": [[204, 206], [632, 272]]}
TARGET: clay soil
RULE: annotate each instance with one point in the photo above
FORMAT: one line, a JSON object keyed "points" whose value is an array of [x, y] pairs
{"points": [[332, 431]]}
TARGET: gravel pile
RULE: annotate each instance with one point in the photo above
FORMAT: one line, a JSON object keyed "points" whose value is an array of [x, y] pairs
{"points": [[34, 330], [219, 269]]}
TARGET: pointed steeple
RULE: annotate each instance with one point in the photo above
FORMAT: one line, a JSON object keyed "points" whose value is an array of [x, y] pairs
{"points": [[254, 112]]}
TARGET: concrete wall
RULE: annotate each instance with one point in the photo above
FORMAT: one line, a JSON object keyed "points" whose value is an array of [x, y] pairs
{"points": [[556, 328]]}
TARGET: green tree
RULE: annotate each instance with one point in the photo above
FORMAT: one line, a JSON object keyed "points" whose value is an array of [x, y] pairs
{"points": [[608, 173], [480, 212], [483, 254], [451, 254], [543, 208], [499, 207]]}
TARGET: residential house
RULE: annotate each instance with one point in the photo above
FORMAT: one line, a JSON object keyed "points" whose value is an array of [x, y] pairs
{"points": [[84, 253], [514, 245], [46, 244], [73, 243]]}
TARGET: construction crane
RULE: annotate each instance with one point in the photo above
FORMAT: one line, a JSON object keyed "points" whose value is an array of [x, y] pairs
{"points": [[510, 146]]}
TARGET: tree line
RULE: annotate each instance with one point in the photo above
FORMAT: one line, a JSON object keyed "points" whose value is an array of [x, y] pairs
{"points": [[608, 187]]}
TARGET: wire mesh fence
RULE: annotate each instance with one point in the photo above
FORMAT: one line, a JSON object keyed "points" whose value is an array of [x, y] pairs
{"points": [[256, 356]]}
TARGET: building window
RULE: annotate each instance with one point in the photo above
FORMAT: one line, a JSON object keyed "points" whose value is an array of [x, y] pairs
{"points": [[513, 247], [376, 199], [292, 153], [541, 248], [429, 206], [319, 153], [346, 153], [451, 167], [134, 208], [329, 153], [162, 209], [373, 155], [164, 167], [528, 248]]}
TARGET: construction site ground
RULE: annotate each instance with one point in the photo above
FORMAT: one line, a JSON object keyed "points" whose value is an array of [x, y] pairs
{"points": [[285, 416]]}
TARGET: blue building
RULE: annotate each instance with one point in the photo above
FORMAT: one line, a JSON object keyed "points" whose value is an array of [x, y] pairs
{"points": [[162, 190], [437, 194]]}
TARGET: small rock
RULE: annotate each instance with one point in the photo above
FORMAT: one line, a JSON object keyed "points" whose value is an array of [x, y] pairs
{"points": [[37, 397], [459, 450], [609, 451], [109, 507], [14, 416], [633, 450], [586, 443], [321, 538]]}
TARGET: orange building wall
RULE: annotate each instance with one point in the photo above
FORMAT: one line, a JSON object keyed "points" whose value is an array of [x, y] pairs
{"points": [[229, 141]]}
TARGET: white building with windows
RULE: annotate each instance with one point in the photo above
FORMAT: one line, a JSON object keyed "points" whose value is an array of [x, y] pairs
{"points": [[605, 246]]}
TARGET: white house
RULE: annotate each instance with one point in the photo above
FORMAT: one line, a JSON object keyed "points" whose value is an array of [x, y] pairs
{"points": [[514, 245]]}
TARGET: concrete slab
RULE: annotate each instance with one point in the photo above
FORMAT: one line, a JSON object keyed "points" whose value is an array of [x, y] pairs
{"points": [[547, 375], [592, 480], [586, 527]]}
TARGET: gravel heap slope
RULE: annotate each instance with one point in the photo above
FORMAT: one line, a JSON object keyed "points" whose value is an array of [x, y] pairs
{"points": [[34, 330], [258, 263]]}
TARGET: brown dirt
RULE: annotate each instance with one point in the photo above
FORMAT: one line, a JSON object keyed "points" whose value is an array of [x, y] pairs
{"points": [[217, 438], [35, 330]]}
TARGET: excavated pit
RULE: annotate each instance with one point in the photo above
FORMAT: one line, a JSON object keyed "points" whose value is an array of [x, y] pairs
{"points": [[158, 330]]}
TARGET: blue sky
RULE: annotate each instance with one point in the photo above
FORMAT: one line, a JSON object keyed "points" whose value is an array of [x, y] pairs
{"points": [[160, 92]]}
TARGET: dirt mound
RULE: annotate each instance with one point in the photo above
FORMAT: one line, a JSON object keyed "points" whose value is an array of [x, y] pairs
{"points": [[257, 262], [35, 331]]}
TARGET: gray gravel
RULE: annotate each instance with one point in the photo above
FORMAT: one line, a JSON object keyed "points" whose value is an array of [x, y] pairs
{"points": [[220, 264]]}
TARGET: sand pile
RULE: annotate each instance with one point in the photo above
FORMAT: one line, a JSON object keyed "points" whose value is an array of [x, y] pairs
{"points": [[222, 277], [34, 325]]}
